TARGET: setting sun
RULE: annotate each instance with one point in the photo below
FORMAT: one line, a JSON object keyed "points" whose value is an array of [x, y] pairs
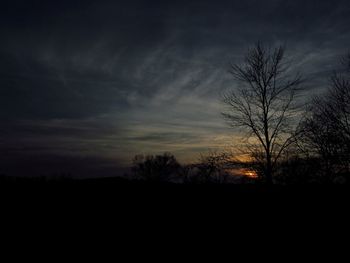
{"points": [[250, 174]]}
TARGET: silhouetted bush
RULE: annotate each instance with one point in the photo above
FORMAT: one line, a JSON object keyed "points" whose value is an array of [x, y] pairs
{"points": [[212, 168], [159, 168]]}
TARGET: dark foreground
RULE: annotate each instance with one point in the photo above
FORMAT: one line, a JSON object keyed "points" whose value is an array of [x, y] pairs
{"points": [[123, 190], [135, 205]]}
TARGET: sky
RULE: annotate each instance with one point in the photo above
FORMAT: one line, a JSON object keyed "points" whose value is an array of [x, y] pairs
{"points": [[86, 85]]}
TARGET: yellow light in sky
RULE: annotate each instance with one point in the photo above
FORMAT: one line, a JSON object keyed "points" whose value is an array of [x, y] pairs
{"points": [[250, 173]]}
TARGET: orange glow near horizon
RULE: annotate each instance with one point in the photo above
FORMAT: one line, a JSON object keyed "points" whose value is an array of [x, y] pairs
{"points": [[248, 173], [251, 174], [244, 172]]}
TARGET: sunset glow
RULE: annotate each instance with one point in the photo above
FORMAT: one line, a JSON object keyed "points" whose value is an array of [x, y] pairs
{"points": [[245, 172], [251, 174]]}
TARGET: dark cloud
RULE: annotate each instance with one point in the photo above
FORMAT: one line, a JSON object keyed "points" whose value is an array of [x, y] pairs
{"points": [[121, 77], [33, 164]]}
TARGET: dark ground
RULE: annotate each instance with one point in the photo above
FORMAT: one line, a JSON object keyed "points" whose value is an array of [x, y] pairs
{"points": [[120, 189], [67, 206]]}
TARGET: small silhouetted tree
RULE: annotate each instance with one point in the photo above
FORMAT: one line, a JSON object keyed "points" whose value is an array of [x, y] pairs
{"points": [[212, 167], [159, 168], [263, 104]]}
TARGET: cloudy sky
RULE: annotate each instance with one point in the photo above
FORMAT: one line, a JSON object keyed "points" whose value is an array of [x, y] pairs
{"points": [[92, 83]]}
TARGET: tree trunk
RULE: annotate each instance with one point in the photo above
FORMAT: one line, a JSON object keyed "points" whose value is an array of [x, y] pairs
{"points": [[268, 175]]}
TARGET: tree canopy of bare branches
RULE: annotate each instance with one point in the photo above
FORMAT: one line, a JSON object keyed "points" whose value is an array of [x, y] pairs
{"points": [[326, 128], [263, 104]]}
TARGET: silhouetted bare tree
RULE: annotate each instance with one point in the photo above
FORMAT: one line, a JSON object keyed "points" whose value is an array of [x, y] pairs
{"points": [[263, 104], [326, 128], [212, 167]]}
